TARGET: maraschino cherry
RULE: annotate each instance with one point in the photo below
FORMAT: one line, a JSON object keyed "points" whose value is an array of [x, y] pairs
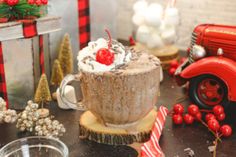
{"points": [[104, 55]]}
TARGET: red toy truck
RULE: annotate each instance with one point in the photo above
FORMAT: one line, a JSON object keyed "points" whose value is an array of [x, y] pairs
{"points": [[211, 66]]}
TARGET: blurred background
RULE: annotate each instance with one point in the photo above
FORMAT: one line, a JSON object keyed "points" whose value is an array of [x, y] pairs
{"points": [[191, 14]]}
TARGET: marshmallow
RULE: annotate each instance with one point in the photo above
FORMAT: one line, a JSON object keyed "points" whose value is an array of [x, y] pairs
{"points": [[153, 15], [143, 34], [155, 41]]}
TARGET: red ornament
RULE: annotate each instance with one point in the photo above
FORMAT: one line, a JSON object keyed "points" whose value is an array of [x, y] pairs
{"points": [[12, 2], [38, 2], [221, 117], [44, 2], [188, 119], [172, 71], [209, 116], [104, 55], [218, 109], [31, 2], [198, 116], [178, 109], [226, 130], [193, 109], [213, 124], [177, 119], [3, 20], [174, 64], [131, 41]]}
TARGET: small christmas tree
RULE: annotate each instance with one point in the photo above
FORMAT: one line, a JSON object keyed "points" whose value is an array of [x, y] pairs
{"points": [[65, 55], [57, 74], [42, 94]]}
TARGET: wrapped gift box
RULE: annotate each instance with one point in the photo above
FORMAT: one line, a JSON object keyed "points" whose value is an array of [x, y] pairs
{"points": [[22, 45]]}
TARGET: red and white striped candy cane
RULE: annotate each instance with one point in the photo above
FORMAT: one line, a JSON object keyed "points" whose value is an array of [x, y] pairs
{"points": [[152, 148]]}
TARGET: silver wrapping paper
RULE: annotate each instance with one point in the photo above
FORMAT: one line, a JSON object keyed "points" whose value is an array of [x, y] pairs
{"points": [[18, 61], [22, 72]]}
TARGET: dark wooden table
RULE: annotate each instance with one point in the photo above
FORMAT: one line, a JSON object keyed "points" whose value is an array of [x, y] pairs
{"points": [[174, 140]]}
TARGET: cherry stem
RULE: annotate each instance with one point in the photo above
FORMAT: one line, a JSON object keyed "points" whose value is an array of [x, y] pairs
{"points": [[109, 37], [217, 137], [207, 111]]}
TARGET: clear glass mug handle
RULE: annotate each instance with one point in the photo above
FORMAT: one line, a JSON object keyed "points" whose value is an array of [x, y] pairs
{"points": [[69, 78]]}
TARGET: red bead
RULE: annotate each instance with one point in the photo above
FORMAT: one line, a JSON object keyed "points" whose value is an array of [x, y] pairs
{"points": [[226, 130], [193, 109], [198, 116], [221, 117], [44, 2], [174, 64], [213, 124], [172, 71], [104, 56], [31, 2], [12, 2], [218, 109], [178, 109], [209, 116], [177, 119], [188, 119]]}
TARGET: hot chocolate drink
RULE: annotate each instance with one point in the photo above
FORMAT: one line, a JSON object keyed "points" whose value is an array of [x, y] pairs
{"points": [[123, 91]]}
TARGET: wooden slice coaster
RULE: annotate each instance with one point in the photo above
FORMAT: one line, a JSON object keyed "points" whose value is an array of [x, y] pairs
{"points": [[165, 54], [92, 129]]}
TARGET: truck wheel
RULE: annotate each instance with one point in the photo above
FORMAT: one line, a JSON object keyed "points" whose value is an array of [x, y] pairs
{"points": [[206, 91]]}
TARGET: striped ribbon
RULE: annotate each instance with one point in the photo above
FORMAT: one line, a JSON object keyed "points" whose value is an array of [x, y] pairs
{"points": [[41, 55], [3, 86], [84, 23], [152, 148]]}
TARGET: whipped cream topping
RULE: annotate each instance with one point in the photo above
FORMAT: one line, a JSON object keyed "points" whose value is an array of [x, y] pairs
{"points": [[87, 56]]}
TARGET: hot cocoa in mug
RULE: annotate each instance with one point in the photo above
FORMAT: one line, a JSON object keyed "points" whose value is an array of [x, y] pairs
{"points": [[120, 93]]}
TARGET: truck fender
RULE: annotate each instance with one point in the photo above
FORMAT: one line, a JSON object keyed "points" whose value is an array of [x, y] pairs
{"points": [[219, 66]]}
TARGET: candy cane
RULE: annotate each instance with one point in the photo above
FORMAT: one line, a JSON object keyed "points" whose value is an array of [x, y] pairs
{"points": [[152, 148]]}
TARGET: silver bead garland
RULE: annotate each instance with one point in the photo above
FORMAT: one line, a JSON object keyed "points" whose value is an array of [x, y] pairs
{"points": [[30, 120], [49, 127], [6, 115], [28, 117]]}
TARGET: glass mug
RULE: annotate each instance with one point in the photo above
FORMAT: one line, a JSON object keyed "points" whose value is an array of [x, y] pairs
{"points": [[116, 99]]}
